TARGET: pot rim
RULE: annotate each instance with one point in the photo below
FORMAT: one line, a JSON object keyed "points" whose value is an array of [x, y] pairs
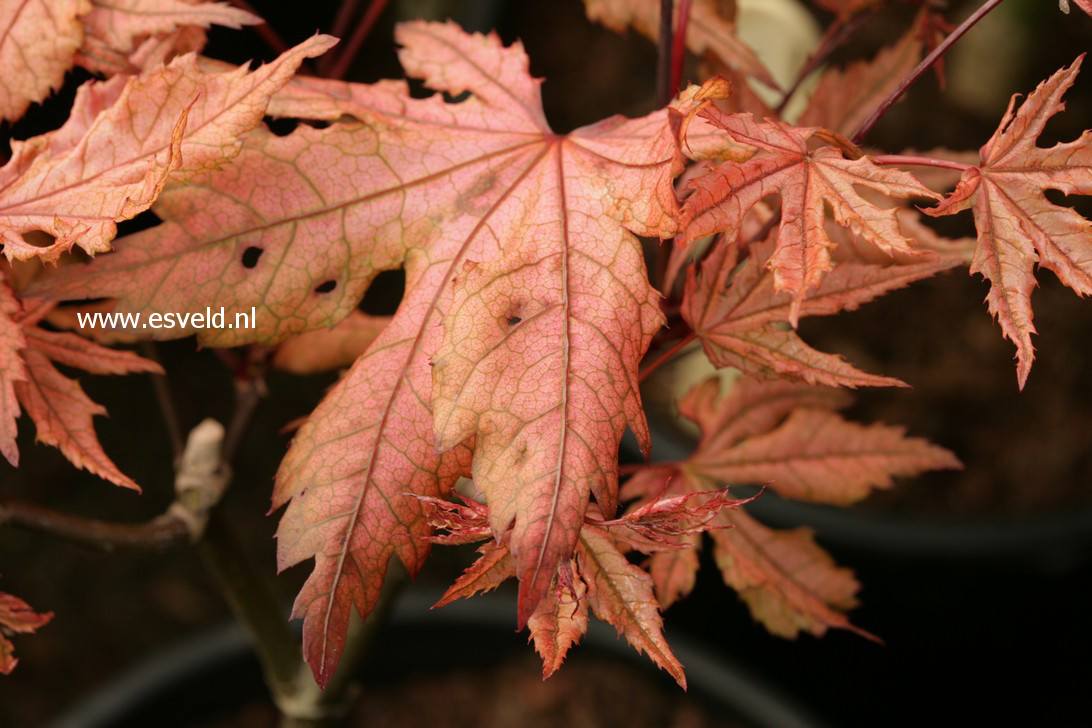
{"points": [[717, 679], [1062, 535]]}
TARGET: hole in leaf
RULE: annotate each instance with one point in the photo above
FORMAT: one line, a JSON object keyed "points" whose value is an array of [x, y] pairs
{"points": [[325, 286], [251, 256], [513, 320], [281, 127], [385, 293], [143, 221], [38, 238], [456, 98]]}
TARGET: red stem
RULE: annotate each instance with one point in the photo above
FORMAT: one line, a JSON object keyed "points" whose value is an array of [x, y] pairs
{"points": [[265, 30], [922, 67], [913, 161], [663, 60], [360, 34], [678, 48], [665, 357], [344, 16]]}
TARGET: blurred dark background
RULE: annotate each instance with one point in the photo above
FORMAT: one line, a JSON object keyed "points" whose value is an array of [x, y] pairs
{"points": [[997, 635]]}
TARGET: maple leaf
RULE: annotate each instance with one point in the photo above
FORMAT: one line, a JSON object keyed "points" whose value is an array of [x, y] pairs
{"points": [[739, 315], [322, 350], [118, 23], [16, 616], [707, 31], [665, 523], [12, 371], [423, 183], [621, 595], [600, 577], [674, 573], [846, 97], [38, 40], [467, 522], [789, 583], [787, 436], [806, 181], [113, 156], [122, 36], [62, 413], [561, 619], [493, 567], [1017, 225]]}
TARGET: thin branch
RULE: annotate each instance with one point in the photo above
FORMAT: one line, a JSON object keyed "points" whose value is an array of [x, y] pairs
{"points": [[265, 30], [166, 402], [835, 36], [666, 356], [160, 533], [255, 604], [663, 60], [344, 16], [199, 485], [922, 67], [338, 69], [678, 49], [913, 161]]}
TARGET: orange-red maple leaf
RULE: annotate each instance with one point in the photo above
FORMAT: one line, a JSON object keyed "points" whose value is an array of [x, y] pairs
{"points": [[493, 567], [621, 595], [739, 315], [62, 413], [123, 36], [38, 41], [118, 23], [806, 180], [788, 436], [1017, 225], [561, 618], [298, 226], [599, 577], [123, 139], [16, 616]]}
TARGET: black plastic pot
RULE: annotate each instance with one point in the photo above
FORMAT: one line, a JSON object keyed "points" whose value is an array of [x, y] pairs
{"points": [[217, 671]]}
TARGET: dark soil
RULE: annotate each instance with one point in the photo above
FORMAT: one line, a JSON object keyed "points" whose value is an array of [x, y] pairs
{"points": [[587, 694]]}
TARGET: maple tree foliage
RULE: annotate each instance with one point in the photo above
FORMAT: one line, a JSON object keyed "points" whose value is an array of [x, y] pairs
{"points": [[437, 187], [114, 155], [806, 181], [38, 40], [513, 356], [790, 437], [1017, 225], [123, 36], [62, 413], [737, 311], [16, 616], [599, 579]]}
